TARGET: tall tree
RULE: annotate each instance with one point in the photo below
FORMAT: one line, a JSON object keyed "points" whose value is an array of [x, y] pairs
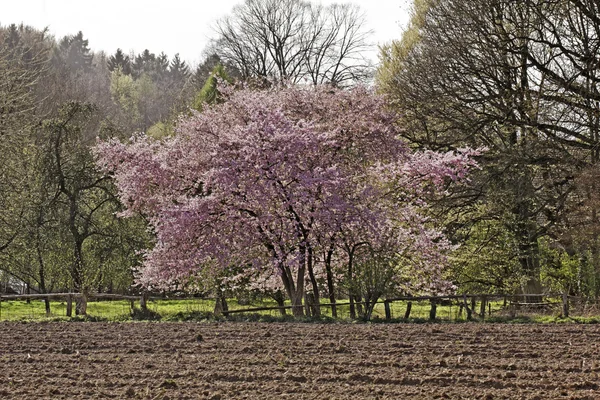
{"points": [[73, 52], [519, 78], [178, 69], [83, 201], [294, 40], [23, 60], [209, 94], [119, 60]]}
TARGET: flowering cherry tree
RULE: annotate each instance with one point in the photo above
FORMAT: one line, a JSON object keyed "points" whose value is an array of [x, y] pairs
{"points": [[268, 178]]}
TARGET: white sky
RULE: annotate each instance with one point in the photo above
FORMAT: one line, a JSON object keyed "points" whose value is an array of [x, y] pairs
{"points": [[172, 26]]}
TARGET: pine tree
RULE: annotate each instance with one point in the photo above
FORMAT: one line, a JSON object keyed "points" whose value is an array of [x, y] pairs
{"points": [[178, 69], [119, 60], [75, 53]]}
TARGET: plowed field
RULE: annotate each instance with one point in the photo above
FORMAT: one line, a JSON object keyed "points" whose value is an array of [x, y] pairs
{"points": [[300, 361]]}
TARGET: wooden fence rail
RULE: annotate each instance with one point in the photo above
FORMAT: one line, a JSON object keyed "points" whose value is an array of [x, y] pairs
{"points": [[69, 297], [526, 300], [464, 301]]}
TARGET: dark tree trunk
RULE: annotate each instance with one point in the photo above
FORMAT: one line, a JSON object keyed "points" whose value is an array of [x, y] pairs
{"points": [[221, 303], [81, 303], [359, 307], [280, 302], [294, 291], [316, 298], [351, 284], [330, 286]]}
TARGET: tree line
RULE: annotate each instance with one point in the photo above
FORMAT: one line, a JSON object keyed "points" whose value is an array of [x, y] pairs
{"points": [[59, 224], [520, 78], [470, 164]]}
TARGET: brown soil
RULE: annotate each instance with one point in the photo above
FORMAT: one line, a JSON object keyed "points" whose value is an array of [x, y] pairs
{"points": [[300, 361]]}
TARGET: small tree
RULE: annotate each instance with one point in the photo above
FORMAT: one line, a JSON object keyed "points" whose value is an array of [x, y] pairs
{"points": [[209, 94]]}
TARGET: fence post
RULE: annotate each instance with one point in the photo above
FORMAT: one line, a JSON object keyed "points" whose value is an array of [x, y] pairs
{"points": [[482, 308], [469, 311], [69, 306], [565, 305], [307, 304], [352, 307], [408, 308], [144, 301], [433, 311], [388, 311]]}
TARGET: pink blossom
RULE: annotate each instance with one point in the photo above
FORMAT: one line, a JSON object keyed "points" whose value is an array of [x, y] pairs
{"points": [[261, 178]]}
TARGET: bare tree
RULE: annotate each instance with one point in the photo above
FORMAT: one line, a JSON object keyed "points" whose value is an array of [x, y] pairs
{"points": [[296, 41], [519, 77]]}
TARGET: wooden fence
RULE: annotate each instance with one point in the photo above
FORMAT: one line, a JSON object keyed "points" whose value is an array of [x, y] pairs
{"points": [[467, 303], [70, 297]]}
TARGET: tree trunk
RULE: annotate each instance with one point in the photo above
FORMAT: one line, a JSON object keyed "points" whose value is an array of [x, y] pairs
{"points": [[144, 301], [70, 306], [298, 295], [77, 276], [530, 261], [297, 308], [330, 286], [316, 298], [220, 303], [369, 308], [42, 270], [294, 291], [308, 304], [359, 307], [351, 283], [81, 303], [47, 304], [280, 302]]}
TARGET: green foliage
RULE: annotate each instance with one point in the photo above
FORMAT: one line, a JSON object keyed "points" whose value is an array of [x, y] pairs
{"points": [[160, 130], [209, 94], [487, 260], [392, 55], [124, 93]]}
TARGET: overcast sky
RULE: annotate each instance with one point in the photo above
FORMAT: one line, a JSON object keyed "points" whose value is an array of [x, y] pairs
{"points": [[172, 26]]}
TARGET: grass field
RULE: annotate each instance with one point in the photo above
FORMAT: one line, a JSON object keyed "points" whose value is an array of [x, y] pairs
{"points": [[190, 309]]}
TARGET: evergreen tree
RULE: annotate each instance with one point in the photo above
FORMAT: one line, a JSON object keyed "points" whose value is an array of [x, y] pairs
{"points": [[178, 69], [162, 64], [143, 63], [119, 60], [74, 53], [209, 94]]}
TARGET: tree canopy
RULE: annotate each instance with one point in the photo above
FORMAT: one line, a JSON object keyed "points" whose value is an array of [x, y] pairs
{"points": [[264, 179], [295, 41]]}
